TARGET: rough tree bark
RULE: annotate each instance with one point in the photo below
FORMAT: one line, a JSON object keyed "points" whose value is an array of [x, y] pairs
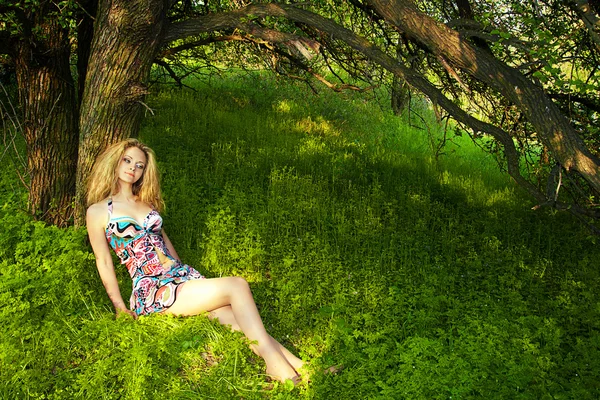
{"points": [[126, 38], [85, 34], [48, 102]]}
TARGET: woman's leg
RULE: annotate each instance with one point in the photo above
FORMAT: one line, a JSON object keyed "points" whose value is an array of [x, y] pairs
{"points": [[226, 317], [201, 295]]}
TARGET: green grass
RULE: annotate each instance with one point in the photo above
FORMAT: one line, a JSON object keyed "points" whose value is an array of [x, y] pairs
{"points": [[425, 278]]}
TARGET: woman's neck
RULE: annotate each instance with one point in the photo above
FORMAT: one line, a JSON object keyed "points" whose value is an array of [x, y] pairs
{"points": [[125, 194]]}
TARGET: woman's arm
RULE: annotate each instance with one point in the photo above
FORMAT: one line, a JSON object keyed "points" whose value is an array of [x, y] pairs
{"points": [[96, 225], [170, 245]]}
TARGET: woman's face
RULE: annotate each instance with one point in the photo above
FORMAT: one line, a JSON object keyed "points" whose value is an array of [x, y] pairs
{"points": [[132, 165]]}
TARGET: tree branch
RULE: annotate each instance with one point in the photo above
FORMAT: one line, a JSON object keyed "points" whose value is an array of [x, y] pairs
{"points": [[466, 12], [336, 88], [553, 128], [589, 18], [171, 51], [360, 44], [237, 18], [587, 102], [170, 71]]}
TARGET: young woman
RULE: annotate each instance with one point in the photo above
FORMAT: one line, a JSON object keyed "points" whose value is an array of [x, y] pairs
{"points": [[124, 202]]}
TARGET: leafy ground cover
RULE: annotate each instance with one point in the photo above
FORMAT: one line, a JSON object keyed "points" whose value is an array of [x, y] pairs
{"points": [[424, 278]]}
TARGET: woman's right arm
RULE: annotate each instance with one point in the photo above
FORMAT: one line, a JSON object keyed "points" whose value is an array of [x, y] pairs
{"points": [[96, 225]]}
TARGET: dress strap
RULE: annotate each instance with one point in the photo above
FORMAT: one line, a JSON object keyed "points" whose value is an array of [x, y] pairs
{"points": [[110, 210]]}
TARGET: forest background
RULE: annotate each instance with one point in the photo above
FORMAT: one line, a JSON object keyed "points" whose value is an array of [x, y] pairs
{"points": [[377, 232]]}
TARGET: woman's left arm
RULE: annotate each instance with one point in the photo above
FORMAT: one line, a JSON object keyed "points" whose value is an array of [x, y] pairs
{"points": [[170, 245]]}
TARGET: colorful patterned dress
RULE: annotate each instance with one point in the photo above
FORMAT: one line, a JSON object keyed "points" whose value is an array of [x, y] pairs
{"points": [[141, 249]]}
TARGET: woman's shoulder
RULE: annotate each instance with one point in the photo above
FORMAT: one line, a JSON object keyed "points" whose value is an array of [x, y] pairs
{"points": [[98, 210]]}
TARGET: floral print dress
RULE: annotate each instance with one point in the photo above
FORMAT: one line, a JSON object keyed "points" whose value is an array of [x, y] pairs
{"points": [[156, 275]]}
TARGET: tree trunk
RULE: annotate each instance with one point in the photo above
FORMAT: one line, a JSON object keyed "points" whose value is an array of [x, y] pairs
{"points": [[85, 33], [400, 95], [47, 98], [126, 38], [400, 91], [553, 129]]}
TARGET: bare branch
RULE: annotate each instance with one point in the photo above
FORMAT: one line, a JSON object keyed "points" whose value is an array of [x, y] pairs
{"points": [[9, 139], [453, 74], [335, 87], [170, 71], [185, 29], [171, 51]]}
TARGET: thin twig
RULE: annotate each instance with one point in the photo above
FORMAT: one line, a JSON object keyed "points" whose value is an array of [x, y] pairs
{"points": [[147, 107]]}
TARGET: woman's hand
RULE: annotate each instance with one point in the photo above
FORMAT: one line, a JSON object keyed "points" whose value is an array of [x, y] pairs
{"points": [[125, 311]]}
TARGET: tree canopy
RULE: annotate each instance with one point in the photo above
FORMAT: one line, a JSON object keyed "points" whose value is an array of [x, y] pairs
{"points": [[521, 78]]}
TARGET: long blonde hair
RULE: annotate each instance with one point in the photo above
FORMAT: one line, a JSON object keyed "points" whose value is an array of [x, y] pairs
{"points": [[104, 181]]}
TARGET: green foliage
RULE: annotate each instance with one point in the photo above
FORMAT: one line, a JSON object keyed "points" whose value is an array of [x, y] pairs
{"points": [[425, 278], [30, 18]]}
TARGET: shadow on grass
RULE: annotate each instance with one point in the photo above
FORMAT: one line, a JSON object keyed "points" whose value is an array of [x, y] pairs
{"points": [[423, 282]]}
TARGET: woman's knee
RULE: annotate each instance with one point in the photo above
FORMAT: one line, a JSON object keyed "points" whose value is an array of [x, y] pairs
{"points": [[239, 283]]}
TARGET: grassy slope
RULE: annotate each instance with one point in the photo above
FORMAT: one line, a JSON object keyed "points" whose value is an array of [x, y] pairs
{"points": [[424, 279]]}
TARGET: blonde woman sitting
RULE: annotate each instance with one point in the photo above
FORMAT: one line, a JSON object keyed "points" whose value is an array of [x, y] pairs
{"points": [[124, 201]]}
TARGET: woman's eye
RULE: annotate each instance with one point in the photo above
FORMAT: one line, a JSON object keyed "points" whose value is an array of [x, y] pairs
{"points": [[127, 160], [139, 166]]}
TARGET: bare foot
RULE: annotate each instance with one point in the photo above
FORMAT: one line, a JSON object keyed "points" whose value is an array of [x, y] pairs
{"points": [[297, 364], [307, 372], [282, 377], [278, 367]]}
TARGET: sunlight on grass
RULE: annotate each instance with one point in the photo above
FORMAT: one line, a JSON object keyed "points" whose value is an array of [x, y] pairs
{"points": [[283, 106], [318, 127], [426, 277], [312, 146], [476, 190]]}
